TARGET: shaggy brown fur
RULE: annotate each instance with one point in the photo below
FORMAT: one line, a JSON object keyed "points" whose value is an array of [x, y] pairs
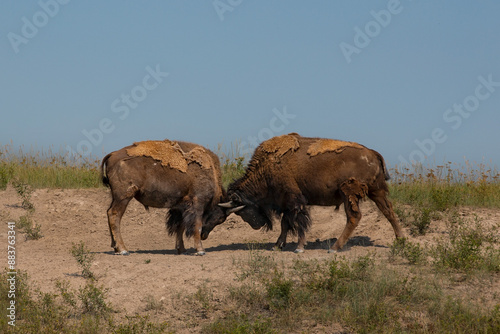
{"points": [[354, 191], [199, 155], [330, 145], [281, 144], [167, 152]]}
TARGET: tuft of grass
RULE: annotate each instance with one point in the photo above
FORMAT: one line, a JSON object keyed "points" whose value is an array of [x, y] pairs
{"points": [[93, 299], [152, 304], [232, 163], [24, 191], [421, 221], [84, 258], [470, 246], [25, 223], [412, 252], [279, 291], [259, 263]]}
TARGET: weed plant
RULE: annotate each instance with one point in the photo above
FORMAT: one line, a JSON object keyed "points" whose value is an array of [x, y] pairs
{"points": [[84, 258], [470, 246], [25, 223]]}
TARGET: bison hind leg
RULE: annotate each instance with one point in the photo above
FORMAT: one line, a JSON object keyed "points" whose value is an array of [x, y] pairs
{"points": [[352, 192], [379, 196], [175, 226]]}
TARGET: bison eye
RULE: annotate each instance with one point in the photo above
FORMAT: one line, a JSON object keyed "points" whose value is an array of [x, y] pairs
{"points": [[235, 198]]}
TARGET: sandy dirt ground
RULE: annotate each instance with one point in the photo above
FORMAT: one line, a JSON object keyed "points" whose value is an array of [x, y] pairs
{"points": [[153, 269]]}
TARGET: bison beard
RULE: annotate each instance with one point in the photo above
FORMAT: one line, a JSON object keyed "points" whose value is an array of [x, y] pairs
{"points": [[178, 220]]}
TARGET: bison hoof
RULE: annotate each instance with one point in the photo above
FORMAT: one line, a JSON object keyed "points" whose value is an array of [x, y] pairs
{"points": [[333, 251], [298, 251], [277, 248], [201, 253], [124, 252]]}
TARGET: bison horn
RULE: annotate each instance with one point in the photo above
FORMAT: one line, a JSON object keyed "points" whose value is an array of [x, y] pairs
{"points": [[233, 210], [227, 205]]}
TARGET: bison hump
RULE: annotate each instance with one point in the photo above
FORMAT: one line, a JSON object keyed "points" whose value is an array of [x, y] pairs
{"points": [[170, 154], [167, 152], [199, 155], [330, 145], [280, 145]]}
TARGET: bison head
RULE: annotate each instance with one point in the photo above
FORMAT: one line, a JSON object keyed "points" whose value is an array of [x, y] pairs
{"points": [[215, 217], [255, 215]]}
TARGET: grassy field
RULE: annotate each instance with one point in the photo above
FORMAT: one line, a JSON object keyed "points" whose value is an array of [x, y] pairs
{"points": [[417, 289], [437, 187], [47, 169]]}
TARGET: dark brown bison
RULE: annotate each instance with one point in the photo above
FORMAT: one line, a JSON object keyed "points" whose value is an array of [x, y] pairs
{"points": [[289, 172], [181, 176]]}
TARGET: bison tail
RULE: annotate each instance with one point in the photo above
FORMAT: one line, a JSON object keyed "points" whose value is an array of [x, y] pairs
{"points": [[384, 167], [104, 178]]}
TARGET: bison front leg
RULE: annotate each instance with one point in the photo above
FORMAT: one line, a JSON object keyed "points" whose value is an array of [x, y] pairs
{"points": [[179, 241], [197, 236], [281, 242], [192, 220], [115, 214], [296, 221]]}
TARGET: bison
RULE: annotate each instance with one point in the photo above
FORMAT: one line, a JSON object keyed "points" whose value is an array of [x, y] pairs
{"points": [[181, 176], [289, 172]]}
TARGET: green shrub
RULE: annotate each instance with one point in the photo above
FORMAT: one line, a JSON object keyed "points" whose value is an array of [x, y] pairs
{"points": [[421, 222], [412, 252], [470, 247], [279, 291], [24, 191], [33, 232], [93, 299], [84, 258]]}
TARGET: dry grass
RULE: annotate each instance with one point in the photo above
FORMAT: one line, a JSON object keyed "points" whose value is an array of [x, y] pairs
{"points": [[446, 186], [47, 168]]}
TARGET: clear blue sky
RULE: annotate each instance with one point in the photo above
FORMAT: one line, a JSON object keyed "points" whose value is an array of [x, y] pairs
{"points": [[412, 79]]}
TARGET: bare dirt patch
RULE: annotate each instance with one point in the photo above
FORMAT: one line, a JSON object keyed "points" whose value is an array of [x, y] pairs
{"points": [[153, 270]]}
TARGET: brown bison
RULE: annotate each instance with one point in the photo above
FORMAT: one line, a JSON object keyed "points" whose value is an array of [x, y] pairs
{"points": [[181, 176], [289, 172]]}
